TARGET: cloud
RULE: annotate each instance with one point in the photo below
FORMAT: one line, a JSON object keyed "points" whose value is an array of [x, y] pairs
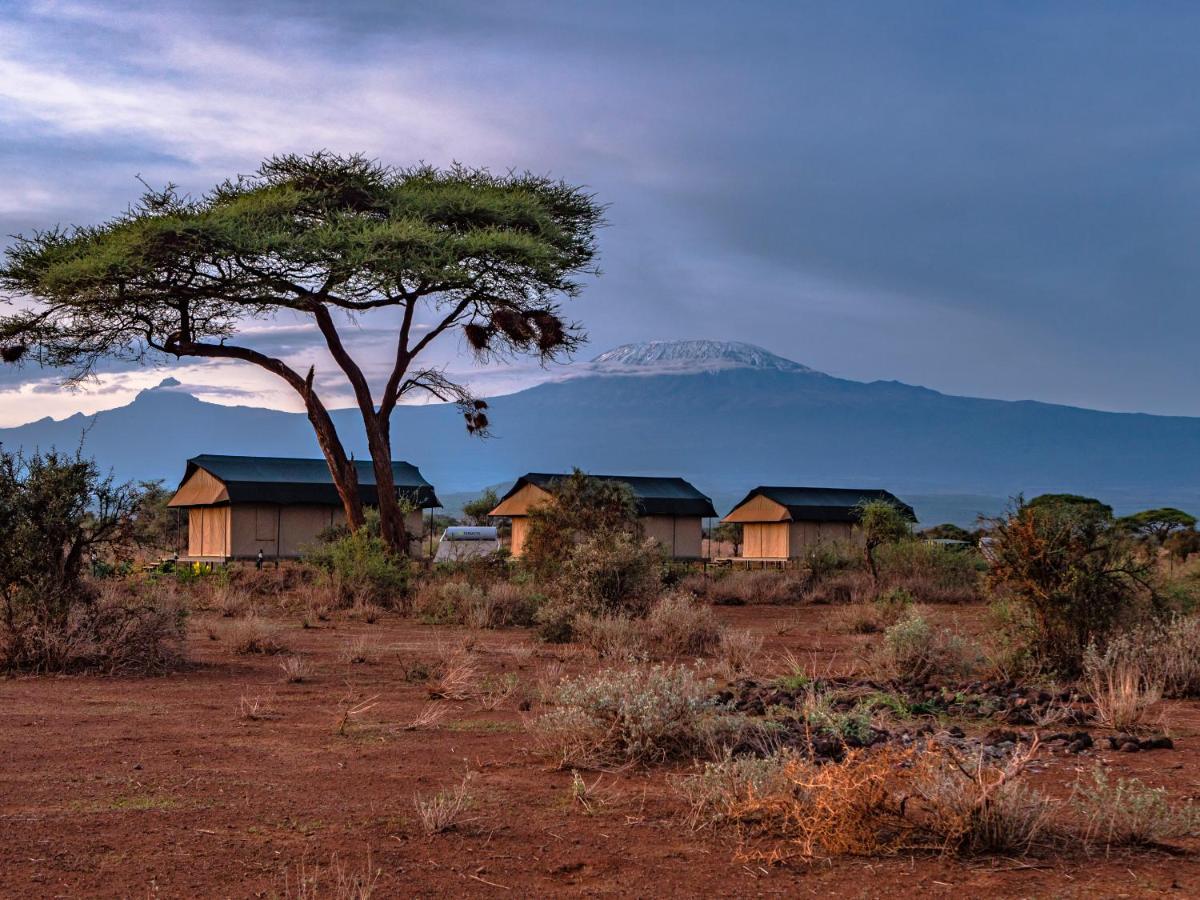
{"points": [[998, 200]]}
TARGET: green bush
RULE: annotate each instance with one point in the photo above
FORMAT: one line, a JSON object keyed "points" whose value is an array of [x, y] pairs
{"points": [[360, 569], [1076, 571]]}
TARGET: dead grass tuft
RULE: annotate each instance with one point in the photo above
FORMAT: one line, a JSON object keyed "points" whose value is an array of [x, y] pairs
{"points": [[443, 811], [256, 635]]}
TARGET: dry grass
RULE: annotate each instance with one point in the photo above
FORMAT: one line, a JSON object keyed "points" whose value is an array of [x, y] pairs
{"points": [[430, 716], [359, 651], [678, 626], [295, 670], [334, 881], [255, 635], [746, 587], [459, 677], [1122, 692], [256, 707], [739, 648], [1130, 813], [493, 693], [444, 810]]}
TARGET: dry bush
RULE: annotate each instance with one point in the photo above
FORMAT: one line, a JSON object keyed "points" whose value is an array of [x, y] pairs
{"points": [[335, 881], [973, 807], [914, 651], [856, 806], [510, 605], [1166, 651], [123, 629], [849, 586], [363, 610], [295, 670], [1121, 690], [612, 635], [317, 600], [722, 791], [493, 693], [458, 678], [224, 598], [444, 810], [359, 651], [932, 573], [430, 716], [255, 707], [636, 715], [1129, 813], [879, 614], [875, 802], [255, 635], [679, 626], [738, 650], [744, 587], [548, 681]]}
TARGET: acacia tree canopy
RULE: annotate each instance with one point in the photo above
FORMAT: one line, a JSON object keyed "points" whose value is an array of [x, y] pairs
{"points": [[1158, 523], [452, 251]]}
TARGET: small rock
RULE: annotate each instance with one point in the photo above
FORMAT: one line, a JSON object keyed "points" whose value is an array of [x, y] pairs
{"points": [[1000, 736], [1130, 747], [1078, 746], [1157, 743], [955, 731]]}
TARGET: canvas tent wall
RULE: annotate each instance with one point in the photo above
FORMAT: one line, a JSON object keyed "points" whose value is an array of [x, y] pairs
{"points": [[670, 509], [238, 505], [785, 522]]}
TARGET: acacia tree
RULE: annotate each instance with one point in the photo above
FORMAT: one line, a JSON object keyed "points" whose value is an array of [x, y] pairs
{"points": [[454, 251], [1159, 523]]}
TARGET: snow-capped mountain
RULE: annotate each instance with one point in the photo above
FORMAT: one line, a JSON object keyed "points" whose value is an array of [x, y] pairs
{"points": [[724, 415], [682, 357]]}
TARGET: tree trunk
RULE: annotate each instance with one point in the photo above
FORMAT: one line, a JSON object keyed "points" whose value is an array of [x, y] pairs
{"points": [[391, 518], [341, 469]]}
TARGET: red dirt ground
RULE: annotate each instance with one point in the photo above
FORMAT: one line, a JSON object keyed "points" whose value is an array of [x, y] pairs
{"points": [[159, 787]]}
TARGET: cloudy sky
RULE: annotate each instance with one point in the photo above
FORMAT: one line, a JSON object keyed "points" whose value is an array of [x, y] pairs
{"points": [[999, 200]]}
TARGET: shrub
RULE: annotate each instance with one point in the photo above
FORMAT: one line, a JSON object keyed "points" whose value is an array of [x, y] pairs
{"points": [[932, 573], [743, 587], [295, 670], [637, 715], [828, 558], [611, 635], [255, 635], [617, 574], [1075, 570], [881, 522], [582, 508], [849, 586], [722, 790], [56, 512], [738, 650], [1131, 813], [360, 569], [973, 807], [914, 651], [679, 626]]}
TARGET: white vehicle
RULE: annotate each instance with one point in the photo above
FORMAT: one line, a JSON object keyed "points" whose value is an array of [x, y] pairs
{"points": [[460, 542]]}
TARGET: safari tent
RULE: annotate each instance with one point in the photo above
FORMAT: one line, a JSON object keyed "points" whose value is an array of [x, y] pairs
{"points": [[238, 505], [670, 509], [780, 523]]}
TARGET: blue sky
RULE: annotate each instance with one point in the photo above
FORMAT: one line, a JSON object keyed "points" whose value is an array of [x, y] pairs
{"points": [[999, 200]]}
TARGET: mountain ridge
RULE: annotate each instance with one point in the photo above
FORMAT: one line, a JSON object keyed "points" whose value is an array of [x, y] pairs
{"points": [[723, 427]]}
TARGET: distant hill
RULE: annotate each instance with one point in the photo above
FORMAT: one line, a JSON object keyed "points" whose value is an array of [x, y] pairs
{"points": [[727, 416]]}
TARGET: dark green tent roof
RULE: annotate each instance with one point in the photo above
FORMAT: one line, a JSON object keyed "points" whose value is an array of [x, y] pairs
{"points": [[819, 504], [654, 496], [272, 479]]}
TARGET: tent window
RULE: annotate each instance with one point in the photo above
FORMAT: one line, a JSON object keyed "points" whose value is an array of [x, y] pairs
{"points": [[264, 523]]}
